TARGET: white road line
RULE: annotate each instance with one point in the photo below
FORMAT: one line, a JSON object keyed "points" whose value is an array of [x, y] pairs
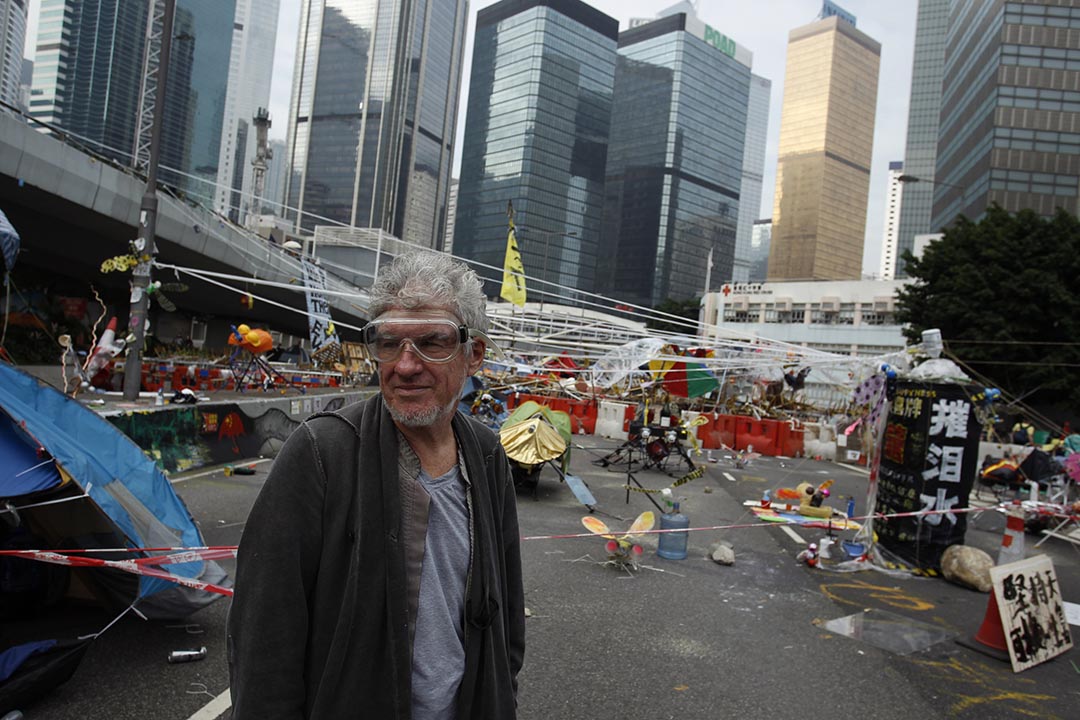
{"points": [[214, 709], [215, 470], [794, 535], [729, 476]]}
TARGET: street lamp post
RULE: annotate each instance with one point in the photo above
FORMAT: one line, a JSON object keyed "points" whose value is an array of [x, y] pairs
{"points": [[527, 234]]}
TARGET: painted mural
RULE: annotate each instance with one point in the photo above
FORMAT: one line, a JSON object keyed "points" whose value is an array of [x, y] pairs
{"points": [[182, 438]]}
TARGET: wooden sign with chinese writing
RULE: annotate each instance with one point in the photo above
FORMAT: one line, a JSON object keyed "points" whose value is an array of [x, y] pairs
{"points": [[1032, 611]]}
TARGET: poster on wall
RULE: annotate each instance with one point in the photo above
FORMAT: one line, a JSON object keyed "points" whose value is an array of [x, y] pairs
{"points": [[929, 458]]}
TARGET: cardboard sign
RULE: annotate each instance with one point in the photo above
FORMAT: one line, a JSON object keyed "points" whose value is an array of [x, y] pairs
{"points": [[929, 456], [1032, 611]]}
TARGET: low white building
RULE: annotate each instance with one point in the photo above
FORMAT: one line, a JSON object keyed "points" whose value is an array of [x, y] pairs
{"points": [[850, 317]]}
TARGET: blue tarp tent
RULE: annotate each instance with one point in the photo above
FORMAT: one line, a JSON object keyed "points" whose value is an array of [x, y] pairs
{"points": [[53, 448], [9, 243]]}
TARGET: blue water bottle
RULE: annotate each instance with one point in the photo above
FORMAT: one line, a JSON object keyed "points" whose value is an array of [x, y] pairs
{"points": [[673, 544]]}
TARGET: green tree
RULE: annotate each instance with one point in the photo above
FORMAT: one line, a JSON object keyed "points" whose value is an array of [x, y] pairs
{"points": [[683, 308], [1005, 293]]}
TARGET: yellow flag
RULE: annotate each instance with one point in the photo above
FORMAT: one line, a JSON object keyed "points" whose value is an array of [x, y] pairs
{"points": [[513, 285]]}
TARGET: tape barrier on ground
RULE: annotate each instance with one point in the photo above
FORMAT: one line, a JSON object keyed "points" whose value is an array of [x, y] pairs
{"points": [[692, 475], [138, 566], [145, 565]]}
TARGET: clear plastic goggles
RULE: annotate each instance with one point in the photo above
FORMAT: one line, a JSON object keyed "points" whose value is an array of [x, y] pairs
{"points": [[432, 339]]}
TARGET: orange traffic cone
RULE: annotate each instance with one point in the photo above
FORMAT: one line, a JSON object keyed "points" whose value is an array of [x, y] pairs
{"points": [[991, 633], [1012, 542]]}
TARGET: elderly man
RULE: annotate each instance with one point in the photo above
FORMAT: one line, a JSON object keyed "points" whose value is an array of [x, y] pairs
{"points": [[379, 573]]}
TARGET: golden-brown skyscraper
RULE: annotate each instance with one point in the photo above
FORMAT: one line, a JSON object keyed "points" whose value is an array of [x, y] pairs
{"points": [[826, 139]]}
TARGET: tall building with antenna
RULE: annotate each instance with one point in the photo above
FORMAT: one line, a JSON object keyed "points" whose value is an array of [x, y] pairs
{"points": [[824, 154]]}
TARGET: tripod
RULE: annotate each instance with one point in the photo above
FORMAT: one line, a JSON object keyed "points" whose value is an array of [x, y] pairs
{"points": [[257, 364]]}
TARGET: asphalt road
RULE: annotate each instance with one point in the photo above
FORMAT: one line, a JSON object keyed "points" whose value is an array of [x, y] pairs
{"points": [[677, 639]]}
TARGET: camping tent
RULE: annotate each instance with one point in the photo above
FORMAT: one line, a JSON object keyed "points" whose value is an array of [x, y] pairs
{"points": [[72, 480]]}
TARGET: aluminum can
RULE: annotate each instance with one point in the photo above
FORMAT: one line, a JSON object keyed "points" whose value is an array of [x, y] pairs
{"points": [[183, 656]]}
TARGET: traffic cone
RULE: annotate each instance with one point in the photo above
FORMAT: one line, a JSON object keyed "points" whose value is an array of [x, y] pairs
{"points": [[1012, 542], [991, 633]]}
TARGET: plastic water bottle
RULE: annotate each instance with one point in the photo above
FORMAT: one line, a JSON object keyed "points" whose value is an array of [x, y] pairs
{"points": [[673, 544]]}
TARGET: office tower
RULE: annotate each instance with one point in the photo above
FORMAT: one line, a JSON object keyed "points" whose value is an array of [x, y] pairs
{"points": [[920, 154], [1009, 131], [451, 216], [893, 208], [757, 125], [96, 102], [536, 134], [760, 240], [251, 64], [371, 123], [674, 168], [89, 72], [823, 165], [24, 84], [12, 40], [274, 191]]}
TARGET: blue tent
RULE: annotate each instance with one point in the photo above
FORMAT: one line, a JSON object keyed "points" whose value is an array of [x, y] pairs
{"points": [[112, 495], [9, 243]]}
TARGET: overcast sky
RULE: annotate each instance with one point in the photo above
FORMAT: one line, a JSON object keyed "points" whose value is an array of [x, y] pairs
{"points": [[759, 25]]}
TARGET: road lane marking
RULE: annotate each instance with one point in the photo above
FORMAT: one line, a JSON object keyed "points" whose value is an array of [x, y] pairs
{"points": [[729, 476], [214, 709], [793, 535], [215, 470]]}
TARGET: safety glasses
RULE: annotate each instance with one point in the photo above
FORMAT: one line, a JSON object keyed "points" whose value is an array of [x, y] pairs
{"points": [[434, 340]]}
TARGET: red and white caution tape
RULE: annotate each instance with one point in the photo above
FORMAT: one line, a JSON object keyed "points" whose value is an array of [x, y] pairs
{"points": [[176, 555], [137, 566]]}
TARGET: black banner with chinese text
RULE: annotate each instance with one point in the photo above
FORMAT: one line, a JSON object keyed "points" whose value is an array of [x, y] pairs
{"points": [[929, 457]]}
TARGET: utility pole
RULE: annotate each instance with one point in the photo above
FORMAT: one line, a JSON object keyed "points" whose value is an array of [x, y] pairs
{"points": [[144, 244]]}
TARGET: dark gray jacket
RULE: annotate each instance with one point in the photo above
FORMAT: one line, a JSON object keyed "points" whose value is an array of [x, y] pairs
{"points": [[319, 624]]}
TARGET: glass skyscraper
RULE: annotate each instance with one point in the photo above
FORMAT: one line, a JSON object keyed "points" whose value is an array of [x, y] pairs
{"points": [[675, 161], [88, 75], [536, 134], [12, 38], [826, 143], [757, 125], [920, 155], [371, 123], [1010, 110]]}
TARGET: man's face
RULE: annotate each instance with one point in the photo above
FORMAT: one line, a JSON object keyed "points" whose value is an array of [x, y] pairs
{"points": [[417, 391]]}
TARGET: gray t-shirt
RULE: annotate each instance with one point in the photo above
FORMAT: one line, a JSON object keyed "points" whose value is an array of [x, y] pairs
{"points": [[438, 659]]}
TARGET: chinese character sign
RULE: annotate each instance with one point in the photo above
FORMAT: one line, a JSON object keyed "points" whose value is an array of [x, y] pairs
{"points": [[324, 339], [928, 464], [1032, 611]]}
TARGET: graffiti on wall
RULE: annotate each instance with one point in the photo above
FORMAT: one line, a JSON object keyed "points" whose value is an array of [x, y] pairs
{"points": [[183, 438]]}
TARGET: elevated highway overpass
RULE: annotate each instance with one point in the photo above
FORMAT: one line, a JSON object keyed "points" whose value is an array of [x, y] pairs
{"points": [[74, 209]]}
